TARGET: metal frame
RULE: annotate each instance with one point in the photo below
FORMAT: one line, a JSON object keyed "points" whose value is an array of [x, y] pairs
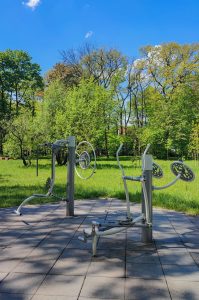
{"points": [[145, 219], [70, 143]]}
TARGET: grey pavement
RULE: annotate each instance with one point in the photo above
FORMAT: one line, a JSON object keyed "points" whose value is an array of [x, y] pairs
{"points": [[41, 257]]}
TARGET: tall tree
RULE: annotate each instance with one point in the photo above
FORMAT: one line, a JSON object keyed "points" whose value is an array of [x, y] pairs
{"points": [[18, 75]]}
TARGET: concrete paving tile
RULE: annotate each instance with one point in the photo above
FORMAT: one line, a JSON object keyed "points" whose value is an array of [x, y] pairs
{"points": [[8, 237], [195, 256], [6, 296], [143, 289], [70, 266], [86, 298], [75, 243], [50, 242], [2, 276], [144, 271], [115, 255], [46, 253], [183, 291], [106, 269], [192, 245], [31, 242], [34, 266], [188, 273], [78, 254], [190, 237], [62, 234], [135, 246], [21, 283], [48, 230], [165, 229], [167, 238], [58, 285], [165, 245], [142, 257], [43, 297], [185, 230], [177, 256], [103, 288], [15, 252], [7, 264], [111, 243]]}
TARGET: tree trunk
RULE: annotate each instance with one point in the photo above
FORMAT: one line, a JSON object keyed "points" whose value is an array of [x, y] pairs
{"points": [[106, 143]]}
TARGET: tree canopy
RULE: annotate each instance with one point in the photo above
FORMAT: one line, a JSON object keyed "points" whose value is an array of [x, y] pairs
{"points": [[105, 97]]}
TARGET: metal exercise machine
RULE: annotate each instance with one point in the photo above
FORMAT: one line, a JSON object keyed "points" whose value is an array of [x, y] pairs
{"points": [[81, 159], [144, 220]]}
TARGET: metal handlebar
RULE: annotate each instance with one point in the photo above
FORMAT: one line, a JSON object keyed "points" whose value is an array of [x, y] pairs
{"points": [[118, 160], [146, 150]]}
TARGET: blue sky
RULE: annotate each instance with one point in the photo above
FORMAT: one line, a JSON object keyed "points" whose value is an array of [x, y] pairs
{"points": [[45, 27]]}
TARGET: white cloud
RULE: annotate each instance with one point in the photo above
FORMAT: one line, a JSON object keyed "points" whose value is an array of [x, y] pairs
{"points": [[88, 34], [32, 3]]}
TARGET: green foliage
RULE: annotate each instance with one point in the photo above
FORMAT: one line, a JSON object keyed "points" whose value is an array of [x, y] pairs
{"points": [[85, 111], [22, 136], [101, 96], [194, 141]]}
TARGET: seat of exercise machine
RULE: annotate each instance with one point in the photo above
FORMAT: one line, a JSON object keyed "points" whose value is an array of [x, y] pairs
{"points": [[133, 178]]}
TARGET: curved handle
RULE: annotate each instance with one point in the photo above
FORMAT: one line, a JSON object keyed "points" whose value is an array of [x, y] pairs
{"points": [[146, 150], [117, 156], [167, 185]]}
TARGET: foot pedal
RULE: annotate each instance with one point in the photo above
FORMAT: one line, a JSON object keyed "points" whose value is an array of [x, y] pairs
{"points": [[82, 239]]}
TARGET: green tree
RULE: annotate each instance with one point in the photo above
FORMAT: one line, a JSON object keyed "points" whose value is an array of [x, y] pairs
{"points": [[18, 75], [20, 138], [87, 114]]}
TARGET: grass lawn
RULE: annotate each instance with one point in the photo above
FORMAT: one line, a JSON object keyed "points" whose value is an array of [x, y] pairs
{"points": [[18, 182]]}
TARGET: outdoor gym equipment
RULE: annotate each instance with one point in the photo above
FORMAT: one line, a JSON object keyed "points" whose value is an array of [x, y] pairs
{"points": [[144, 220], [82, 155]]}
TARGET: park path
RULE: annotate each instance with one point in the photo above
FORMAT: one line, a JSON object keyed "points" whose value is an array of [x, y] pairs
{"points": [[41, 257]]}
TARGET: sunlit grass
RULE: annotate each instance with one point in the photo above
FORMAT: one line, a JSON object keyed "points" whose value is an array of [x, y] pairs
{"points": [[18, 182]]}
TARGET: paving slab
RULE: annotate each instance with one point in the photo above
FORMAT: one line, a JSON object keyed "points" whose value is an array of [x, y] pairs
{"points": [[71, 266], [181, 290], [115, 255], [41, 256], [44, 297], [195, 256], [178, 257], [144, 271], [142, 257], [34, 266], [143, 289], [2, 276], [60, 285], [6, 296], [187, 273], [21, 283], [15, 252], [103, 288], [8, 264], [107, 269], [75, 243]]}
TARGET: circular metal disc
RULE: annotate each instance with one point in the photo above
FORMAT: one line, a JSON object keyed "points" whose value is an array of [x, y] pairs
{"points": [[178, 167], [86, 160], [157, 171]]}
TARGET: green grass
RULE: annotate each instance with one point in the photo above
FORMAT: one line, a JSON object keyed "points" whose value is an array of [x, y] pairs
{"points": [[18, 182]]}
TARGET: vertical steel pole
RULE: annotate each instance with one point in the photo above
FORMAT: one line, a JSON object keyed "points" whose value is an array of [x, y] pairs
{"points": [[70, 177], [147, 165]]}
